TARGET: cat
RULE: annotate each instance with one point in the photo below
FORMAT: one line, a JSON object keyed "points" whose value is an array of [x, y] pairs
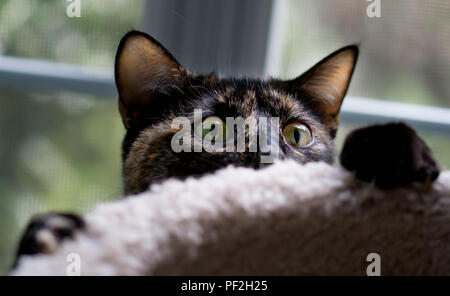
{"points": [[154, 89]]}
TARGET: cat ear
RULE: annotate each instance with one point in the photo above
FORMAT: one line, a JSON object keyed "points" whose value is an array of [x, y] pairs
{"points": [[325, 84], [144, 71]]}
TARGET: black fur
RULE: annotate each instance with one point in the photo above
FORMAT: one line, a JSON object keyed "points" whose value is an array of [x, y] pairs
{"points": [[390, 155]]}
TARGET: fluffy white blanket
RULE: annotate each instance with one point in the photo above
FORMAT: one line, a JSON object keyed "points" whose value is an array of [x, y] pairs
{"points": [[285, 219]]}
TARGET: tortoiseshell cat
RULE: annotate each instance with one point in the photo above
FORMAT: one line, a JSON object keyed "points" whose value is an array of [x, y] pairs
{"points": [[154, 89]]}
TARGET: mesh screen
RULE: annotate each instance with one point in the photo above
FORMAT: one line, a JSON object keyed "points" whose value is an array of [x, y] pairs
{"points": [[58, 151], [405, 53]]}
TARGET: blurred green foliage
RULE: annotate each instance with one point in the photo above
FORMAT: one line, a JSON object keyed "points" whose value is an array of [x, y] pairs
{"points": [[404, 54], [41, 29], [58, 151]]}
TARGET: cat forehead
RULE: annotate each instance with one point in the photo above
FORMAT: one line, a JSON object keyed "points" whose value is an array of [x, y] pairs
{"points": [[253, 96]]}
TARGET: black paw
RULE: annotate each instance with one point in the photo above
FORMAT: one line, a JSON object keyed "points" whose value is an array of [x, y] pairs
{"points": [[391, 155], [45, 233]]}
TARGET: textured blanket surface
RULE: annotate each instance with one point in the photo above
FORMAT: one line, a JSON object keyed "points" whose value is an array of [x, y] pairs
{"points": [[285, 219]]}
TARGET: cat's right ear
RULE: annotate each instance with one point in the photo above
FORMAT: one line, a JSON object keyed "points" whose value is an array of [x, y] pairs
{"points": [[145, 73], [324, 86]]}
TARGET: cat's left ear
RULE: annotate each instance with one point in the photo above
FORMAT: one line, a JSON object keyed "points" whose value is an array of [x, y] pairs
{"points": [[146, 73], [324, 86]]}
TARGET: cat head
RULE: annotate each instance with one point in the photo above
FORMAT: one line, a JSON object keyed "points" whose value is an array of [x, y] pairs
{"points": [[155, 91]]}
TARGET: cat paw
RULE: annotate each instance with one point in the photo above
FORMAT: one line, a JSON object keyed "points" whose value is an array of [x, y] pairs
{"points": [[45, 233], [390, 155]]}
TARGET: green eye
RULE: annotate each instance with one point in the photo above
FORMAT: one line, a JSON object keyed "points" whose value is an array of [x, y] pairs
{"points": [[213, 129], [297, 134]]}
